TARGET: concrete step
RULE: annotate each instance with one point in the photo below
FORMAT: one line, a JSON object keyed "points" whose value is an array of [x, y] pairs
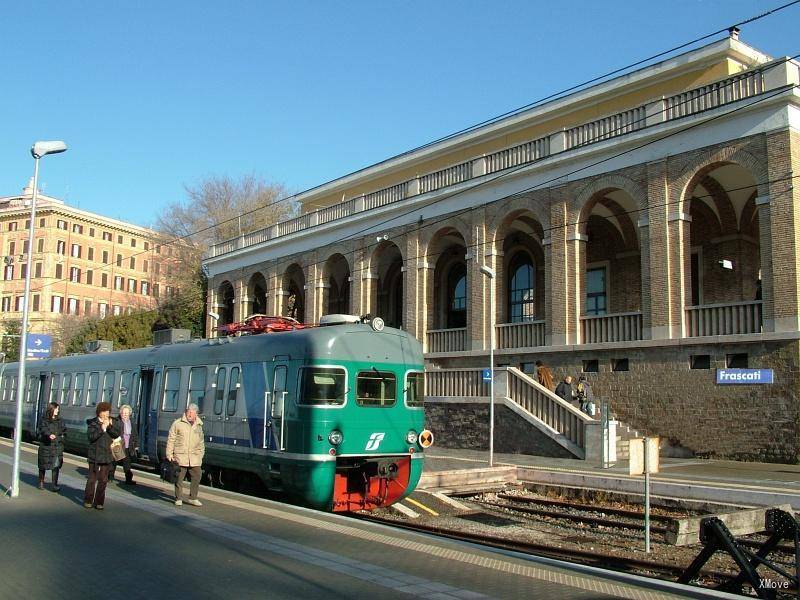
{"points": [[467, 477]]}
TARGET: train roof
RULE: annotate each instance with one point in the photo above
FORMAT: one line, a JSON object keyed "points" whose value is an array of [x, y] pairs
{"points": [[340, 342]]}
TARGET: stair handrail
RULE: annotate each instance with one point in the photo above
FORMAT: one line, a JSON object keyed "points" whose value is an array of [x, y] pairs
{"points": [[550, 395]]}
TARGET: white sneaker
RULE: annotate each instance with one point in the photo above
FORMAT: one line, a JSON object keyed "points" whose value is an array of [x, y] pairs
{"points": [[194, 502], [179, 502]]}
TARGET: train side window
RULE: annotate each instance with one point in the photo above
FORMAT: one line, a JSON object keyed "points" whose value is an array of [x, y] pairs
{"points": [[108, 386], [219, 393], [172, 385], [94, 388], [197, 387], [32, 388], [77, 392], [376, 388], [322, 385], [233, 391], [123, 396], [14, 382], [55, 388], [66, 383], [415, 389]]}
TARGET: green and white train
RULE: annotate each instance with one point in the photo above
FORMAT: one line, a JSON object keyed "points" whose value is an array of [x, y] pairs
{"points": [[331, 416]]}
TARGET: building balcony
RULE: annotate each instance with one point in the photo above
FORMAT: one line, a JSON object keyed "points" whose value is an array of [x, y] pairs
{"points": [[619, 327], [735, 318]]}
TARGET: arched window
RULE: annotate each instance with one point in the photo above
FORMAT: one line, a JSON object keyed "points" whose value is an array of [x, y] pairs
{"points": [[457, 297], [521, 289]]}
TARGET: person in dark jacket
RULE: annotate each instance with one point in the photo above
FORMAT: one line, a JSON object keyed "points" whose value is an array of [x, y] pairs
{"points": [[100, 431], [564, 390], [51, 432], [130, 441]]}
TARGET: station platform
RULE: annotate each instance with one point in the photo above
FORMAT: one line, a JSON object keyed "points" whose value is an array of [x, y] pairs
{"points": [[143, 546], [728, 482]]}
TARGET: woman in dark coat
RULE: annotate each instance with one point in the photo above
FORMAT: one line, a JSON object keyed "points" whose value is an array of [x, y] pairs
{"points": [[100, 431], [51, 434]]}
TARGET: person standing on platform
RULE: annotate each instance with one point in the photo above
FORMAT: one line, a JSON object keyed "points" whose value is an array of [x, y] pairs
{"points": [[130, 441], [565, 391], [544, 375], [51, 434], [186, 447], [585, 396], [100, 431]]}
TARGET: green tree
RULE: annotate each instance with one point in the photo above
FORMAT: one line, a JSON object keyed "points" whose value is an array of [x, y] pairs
{"points": [[10, 344]]}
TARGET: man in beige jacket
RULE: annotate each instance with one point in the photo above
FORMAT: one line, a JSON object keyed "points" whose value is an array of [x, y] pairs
{"points": [[186, 446]]}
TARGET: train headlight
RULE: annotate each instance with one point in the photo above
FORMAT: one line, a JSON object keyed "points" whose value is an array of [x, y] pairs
{"points": [[411, 437], [335, 437], [377, 324]]}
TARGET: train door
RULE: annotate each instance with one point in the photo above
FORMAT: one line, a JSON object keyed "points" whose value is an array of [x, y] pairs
{"points": [[37, 400], [215, 424], [276, 422], [235, 414], [147, 415]]}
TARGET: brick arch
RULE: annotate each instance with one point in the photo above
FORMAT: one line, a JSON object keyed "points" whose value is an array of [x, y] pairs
{"points": [[749, 220], [629, 233], [327, 262], [512, 208], [600, 186], [722, 202], [499, 227], [373, 257], [710, 160], [430, 236]]}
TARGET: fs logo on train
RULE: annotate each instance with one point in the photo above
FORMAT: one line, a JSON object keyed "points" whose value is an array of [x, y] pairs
{"points": [[374, 441]]}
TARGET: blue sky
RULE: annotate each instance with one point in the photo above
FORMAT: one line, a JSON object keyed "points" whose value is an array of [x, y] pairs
{"points": [[154, 95]]}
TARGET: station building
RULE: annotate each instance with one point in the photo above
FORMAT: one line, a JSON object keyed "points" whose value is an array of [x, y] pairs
{"points": [[643, 231], [84, 264]]}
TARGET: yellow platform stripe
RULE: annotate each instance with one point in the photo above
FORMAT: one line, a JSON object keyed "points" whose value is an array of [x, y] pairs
{"points": [[422, 506]]}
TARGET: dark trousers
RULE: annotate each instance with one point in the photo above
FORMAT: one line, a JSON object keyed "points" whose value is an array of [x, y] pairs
{"points": [[196, 473], [98, 476], [126, 466], [55, 476]]}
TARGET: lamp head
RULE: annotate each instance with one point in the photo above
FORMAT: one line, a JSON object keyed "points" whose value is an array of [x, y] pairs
{"points": [[40, 149], [213, 315], [488, 271]]}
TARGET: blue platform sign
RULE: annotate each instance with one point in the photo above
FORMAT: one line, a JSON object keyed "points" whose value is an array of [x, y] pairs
{"points": [[39, 345], [487, 375], [744, 376]]}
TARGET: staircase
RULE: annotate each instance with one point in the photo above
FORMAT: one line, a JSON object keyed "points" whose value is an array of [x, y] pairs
{"points": [[625, 433]]}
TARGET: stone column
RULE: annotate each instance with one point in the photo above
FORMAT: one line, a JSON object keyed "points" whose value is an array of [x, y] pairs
{"points": [[360, 284], [478, 287], [557, 275], [767, 276], [211, 304], [576, 281], [644, 268], [413, 279], [239, 300], [271, 277]]}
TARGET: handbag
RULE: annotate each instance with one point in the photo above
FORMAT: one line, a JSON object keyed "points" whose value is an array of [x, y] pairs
{"points": [[169, 471], [118, 449]]}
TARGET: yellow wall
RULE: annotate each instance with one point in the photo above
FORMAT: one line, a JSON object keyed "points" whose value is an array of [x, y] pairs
{"points": [[587, 112]]}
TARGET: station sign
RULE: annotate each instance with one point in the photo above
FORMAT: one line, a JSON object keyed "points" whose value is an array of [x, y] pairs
{"points": [[487, 375], [744, 376], [39, 345]]}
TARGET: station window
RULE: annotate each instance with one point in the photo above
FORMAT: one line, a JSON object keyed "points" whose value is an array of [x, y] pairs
{"points": [[119, 239], [619, 364], [322, 385], [415, 389], [233, 391], [55, 388], [376, 388], [591, 366], [700, 361], [172, 385], [219, 392], [77, 392], [42, 222], [66, 382], [40, 245], [12, 226], [736, 361], [197, 387], [106, 236], [94, 386]]}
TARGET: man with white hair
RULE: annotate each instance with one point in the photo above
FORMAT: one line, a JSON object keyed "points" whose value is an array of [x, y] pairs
{"points": [[186, 447]]}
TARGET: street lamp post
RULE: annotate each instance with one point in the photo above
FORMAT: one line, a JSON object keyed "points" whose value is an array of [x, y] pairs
{"points": [[38, 150], [489, 272]]}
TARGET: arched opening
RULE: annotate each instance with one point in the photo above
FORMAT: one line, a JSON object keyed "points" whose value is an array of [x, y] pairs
{"points": [[337, 279], [294, 284], [522, 294], [725, 263], [257, 292], [450, 280], [612, 260], [388, 284], [225, 303]]}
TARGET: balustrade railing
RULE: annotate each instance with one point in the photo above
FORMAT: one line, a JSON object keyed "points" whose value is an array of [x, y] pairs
{"points": [[724, 319], [520, 335], [732, 89], [619, 327], [547, 407], [518, 155], [447, 340], [607, 127], [445, 177], [465, 383], [714, 94]]}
